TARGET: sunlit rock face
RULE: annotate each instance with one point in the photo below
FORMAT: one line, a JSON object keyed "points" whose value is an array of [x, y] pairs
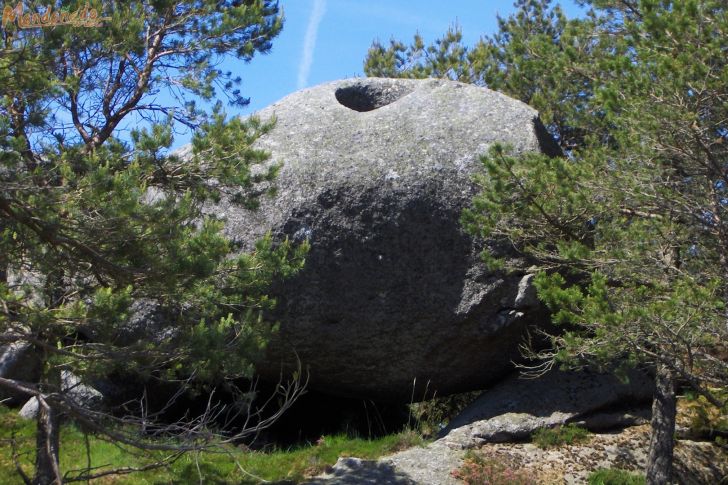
{"points": [[375, 175]]}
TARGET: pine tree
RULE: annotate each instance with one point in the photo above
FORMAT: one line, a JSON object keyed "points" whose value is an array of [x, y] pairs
{"points": [[628, 232], [96, 214]]}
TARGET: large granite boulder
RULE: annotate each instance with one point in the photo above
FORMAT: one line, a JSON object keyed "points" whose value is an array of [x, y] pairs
{"points": [[376, 173]]}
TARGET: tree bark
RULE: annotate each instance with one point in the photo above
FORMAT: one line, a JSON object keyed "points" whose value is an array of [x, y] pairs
{"points": [[47, 470], [662, 438], [47, 437], [3, 260]]}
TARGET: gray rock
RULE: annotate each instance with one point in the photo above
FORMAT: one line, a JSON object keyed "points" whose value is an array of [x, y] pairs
{"points": [[355, 471], [81, 394], [515, 408], [146, 322], [526, 297], [432, 464], [19, 362], [426, 465], [376, 173], [29, 409]]}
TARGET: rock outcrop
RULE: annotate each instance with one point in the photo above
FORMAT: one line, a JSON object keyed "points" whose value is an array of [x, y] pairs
{"points": [[376, 173], [514, 408]]}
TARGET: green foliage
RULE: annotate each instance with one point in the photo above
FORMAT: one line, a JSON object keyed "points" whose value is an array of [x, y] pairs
{"points": [[635, 225], [479, 469], [627, 232], [702, 418], [559, 435], [92, 221], [612, 476], [234, 465], [108, 222]]}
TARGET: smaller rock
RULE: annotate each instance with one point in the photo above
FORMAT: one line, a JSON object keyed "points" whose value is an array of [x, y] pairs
{"points": [[29, 409], [83, 395], [515, 408], [526, 297]]}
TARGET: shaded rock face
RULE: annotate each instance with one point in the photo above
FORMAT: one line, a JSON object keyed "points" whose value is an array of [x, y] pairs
{"points": [[20, 362], [376, 173]]}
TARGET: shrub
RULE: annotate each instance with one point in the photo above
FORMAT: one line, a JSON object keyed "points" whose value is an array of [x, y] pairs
{"points": [[560, 435], [613, 476], [703, 418]]}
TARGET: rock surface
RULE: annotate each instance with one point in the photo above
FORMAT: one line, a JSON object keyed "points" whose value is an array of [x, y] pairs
{"points": [[696, 463], [18, 361], [376, 173], [497, 425], [355, 471], [513, 409], [430, 465], [83, 395]]}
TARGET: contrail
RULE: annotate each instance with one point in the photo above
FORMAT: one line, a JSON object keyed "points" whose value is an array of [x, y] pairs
{"points": [[309, 42]]}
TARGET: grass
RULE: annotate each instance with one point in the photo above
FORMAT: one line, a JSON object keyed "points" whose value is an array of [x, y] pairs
{"points": [[613, 476], [234, 466], [559, 435]]}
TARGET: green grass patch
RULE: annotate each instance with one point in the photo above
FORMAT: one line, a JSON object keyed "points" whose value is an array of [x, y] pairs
{"points": [[613, 476], [559, 435], [230, 466]]}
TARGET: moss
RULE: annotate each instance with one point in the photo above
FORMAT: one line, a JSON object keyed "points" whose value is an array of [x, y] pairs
{"points": [[559, 435]]}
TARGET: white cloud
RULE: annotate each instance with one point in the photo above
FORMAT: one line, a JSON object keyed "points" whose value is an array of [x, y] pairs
{"points": [[309, 42]]}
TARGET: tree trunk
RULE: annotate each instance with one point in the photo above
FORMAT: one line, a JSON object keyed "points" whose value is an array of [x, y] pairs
{"points": [[47, 470], [47, 438], [3, 260], [662, 439]]}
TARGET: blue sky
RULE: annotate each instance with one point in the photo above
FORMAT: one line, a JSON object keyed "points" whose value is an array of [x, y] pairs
{"points": [[325, 40]]}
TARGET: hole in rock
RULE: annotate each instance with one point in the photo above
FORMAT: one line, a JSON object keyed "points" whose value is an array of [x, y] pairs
{"points": [[313, 415], [316, 414], [370, 96]]}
